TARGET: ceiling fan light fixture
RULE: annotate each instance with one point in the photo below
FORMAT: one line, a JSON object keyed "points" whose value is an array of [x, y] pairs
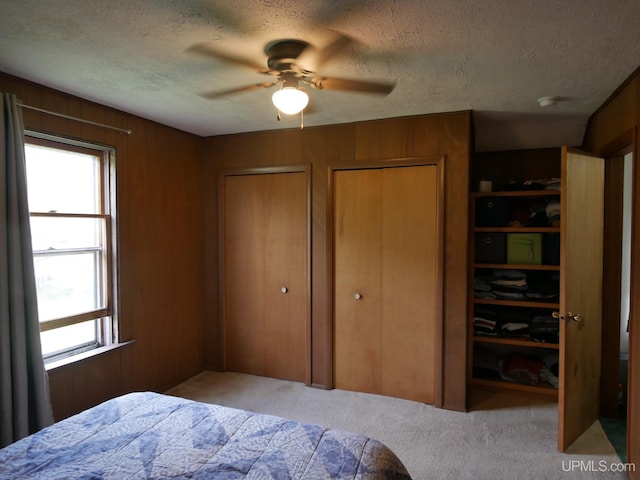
{"points": [[290, 100]]}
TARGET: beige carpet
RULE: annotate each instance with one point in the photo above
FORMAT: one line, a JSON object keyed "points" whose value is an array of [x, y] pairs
{"points": [[506, 436]]}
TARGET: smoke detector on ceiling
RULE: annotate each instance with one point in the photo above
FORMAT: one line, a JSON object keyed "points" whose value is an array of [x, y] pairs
{"points": [[547, 101]]}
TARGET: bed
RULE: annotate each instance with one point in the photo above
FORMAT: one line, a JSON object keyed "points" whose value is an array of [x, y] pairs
{"points": [[147, 435]]}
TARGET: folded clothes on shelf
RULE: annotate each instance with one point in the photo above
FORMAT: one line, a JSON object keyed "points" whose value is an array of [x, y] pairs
{"points": [[535, 184], [519, 368], [485, 322], [545, 328], [506, 284]]}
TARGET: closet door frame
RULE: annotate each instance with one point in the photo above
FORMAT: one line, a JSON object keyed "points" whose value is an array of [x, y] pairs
{"points": [[229, 172], [439, 162]]}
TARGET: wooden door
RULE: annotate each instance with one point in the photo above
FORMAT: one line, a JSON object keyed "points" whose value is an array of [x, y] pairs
{"points": [[410, 289], [265, 274], [580, 293], [386, 293], [358, 272]]}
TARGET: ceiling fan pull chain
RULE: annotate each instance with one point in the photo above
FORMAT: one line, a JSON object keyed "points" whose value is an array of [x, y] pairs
{"points": [[301, 119]]}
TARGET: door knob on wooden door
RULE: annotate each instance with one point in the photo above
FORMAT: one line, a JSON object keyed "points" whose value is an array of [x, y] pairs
{"points": [[357, 296], [575, 317], [284, 289], [570, 316]]}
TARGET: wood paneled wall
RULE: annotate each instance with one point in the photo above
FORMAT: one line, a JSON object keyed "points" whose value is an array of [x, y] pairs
{"points": [[161, 250], [611, 128], [168, 236], [443, 134]]}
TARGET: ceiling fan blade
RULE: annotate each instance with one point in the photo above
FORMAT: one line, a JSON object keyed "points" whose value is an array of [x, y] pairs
{"points": [[210, 52], [332, 83], [233, 91], [312, 59]]}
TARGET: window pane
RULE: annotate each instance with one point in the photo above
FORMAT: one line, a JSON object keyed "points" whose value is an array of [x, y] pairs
{"points": [[56, 233], [62, 181], [66, 338], [71, 179], [67, 284]]}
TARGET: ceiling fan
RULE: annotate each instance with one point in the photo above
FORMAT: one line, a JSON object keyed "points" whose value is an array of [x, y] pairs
{"points": [[294, 64]]}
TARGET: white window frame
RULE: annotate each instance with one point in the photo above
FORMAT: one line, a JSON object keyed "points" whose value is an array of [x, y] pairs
{"points": [[107, 333]]}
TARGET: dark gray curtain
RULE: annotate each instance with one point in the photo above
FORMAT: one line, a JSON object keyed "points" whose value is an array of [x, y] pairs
{"points": [[25, 406]]}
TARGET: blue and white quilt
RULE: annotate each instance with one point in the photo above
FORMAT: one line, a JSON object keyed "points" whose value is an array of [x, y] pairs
{"points": [[152, 436]]}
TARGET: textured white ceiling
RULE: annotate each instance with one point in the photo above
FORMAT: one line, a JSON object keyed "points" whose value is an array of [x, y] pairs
{"points": [[495, 57]]}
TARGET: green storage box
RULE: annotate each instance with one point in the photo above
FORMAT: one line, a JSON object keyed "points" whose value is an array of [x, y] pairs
{"points": [[524, 248]]}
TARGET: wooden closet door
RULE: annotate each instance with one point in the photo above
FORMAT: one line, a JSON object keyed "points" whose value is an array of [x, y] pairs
{"points": [[409, 282], [285, 275], [265, 274], [358, 271], [243, 281], [580, 294], [385, 281]]}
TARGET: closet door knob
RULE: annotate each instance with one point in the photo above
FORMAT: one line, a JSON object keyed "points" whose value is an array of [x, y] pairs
{"points": [[576, 317], [357, 296], [284, 289]]}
